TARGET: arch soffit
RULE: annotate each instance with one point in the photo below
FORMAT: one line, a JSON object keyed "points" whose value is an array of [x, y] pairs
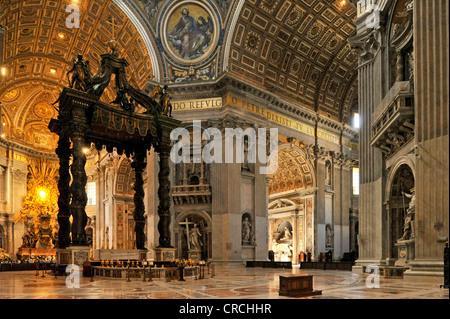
{"points": [[182, 217], [404, 160]]}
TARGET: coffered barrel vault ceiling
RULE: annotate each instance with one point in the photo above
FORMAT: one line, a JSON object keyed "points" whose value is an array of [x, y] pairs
{"points": [[299, 50], [39, 49], [296, 49]]}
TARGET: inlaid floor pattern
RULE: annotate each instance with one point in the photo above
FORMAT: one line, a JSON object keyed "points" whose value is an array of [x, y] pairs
{"points": [[230, 282]]}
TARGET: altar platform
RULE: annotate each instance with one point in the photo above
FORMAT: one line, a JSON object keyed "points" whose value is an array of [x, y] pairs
{"points": [[269, 264], [120, 254], [323, 265]]}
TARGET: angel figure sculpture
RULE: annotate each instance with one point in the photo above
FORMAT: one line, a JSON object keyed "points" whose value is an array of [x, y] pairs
{"points": [[81, 76]]}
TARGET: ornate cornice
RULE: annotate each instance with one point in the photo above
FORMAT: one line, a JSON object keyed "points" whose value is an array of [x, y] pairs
{"points": [[228, 83], [26, 150]]}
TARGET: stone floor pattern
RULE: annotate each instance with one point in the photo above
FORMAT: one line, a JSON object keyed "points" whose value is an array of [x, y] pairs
{"points": [[230, 282]]}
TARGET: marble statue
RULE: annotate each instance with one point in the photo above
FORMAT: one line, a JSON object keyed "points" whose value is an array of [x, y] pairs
{"points": [[328, 174], [107, 237], [246, 230], [408, 226], [287, 233], [328, 236], [194, 238]]}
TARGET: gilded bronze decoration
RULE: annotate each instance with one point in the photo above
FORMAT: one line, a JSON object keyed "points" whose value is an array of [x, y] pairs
{"points": [[39, 207], [83, 120]]}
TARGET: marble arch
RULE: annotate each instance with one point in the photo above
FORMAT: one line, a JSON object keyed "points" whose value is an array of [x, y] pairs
{"points": [[179, 233], [404, 160], [291, 199]]}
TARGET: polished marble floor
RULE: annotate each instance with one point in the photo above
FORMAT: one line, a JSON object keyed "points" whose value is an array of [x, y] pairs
{"points": [[230, 282]]}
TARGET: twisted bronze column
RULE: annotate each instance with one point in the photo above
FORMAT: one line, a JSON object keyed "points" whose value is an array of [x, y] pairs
{"points": [[139, 165], [63, 152], [164, 197], [78, 190]]}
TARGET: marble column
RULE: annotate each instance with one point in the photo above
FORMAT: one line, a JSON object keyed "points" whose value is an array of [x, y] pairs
{"points": [[2, 189], [10, 236], [152, 202], [100, 218], [431, 45]]}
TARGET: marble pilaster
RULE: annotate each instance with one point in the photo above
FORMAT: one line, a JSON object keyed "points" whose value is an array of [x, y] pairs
{"points": [[431, 32]]}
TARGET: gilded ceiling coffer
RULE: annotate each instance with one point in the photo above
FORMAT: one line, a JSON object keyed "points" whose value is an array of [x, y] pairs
{"points": [[84, 120]]}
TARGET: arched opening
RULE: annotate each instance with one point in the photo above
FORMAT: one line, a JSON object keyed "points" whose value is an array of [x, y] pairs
{"points": [[291, 205], [402, 182], [193, 236], [282, 242]]}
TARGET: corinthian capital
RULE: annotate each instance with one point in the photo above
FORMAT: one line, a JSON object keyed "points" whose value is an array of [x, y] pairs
{"points": [[366, 45]]}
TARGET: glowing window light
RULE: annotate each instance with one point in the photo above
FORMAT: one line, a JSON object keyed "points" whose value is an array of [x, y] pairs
{"points": [[356, 120], [42, 194], [91, 192], [355, 180]]}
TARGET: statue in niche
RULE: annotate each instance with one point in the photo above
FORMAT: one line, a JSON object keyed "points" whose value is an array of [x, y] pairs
{"points": [[29, 239], [246, 230], [194, 235], [81, 76], [408, 226], [287, 234], [107, 237], [327, 173], [246, 165], [328, 236]]}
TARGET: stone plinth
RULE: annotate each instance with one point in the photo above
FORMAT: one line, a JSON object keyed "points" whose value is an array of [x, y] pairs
{"points": [[406, 252], [164, 254], [195, 254], [76, 255], [248, 253], [120, 254]]}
